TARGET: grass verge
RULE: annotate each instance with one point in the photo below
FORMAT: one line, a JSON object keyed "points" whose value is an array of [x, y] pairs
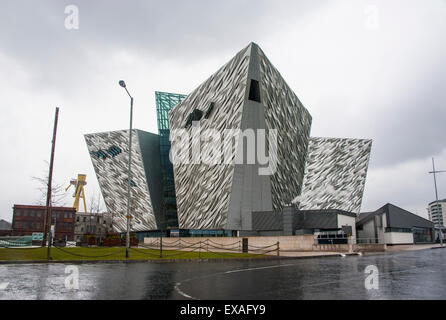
{"points": [[113, 253]]}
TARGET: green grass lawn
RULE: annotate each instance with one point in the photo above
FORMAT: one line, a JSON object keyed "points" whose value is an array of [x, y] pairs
{"points": [[113, 253]]}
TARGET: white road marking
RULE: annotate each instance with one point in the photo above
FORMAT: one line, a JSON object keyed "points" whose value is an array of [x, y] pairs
{"points": [[177, 288], [4, 285]]}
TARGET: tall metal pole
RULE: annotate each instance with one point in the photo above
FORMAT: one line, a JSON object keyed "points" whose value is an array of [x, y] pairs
{"points": [[130, 179], [127, 246], [48, 196], [436, 199]]}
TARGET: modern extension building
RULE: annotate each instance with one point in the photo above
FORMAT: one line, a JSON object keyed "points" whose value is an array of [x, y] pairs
{"points": [[393, 225], [240, 144], [328, 224]]}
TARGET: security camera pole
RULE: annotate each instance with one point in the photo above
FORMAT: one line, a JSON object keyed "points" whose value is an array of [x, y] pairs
{"points": [[436, 197], [127, 245]]}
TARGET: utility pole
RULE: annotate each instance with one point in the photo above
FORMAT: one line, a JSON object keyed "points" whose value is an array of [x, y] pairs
{"points": [[436, 197], [48, 196]]}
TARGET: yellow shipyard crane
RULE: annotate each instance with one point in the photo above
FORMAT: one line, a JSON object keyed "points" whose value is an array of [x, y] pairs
{"points": [[79, 191]]}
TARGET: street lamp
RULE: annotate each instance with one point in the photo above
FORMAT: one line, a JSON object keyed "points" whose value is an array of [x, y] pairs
{"points": [[127, 245], [436, 199]]}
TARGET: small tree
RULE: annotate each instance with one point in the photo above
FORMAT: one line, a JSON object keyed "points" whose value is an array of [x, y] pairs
{"points": [[96, 203], [57, 190]]}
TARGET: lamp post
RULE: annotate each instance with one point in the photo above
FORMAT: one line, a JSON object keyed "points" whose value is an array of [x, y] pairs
{"points": [[127, 245], [436, 198]]}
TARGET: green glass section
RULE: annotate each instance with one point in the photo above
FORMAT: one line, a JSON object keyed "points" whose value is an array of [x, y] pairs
{"points": [[164, 102]]}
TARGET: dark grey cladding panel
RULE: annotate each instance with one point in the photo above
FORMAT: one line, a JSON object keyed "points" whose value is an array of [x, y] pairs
{"points": [[400, 218], [150, 151], [317, 220], [267, 220]]}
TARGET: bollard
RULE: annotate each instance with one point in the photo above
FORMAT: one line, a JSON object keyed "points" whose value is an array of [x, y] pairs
{"points": [[278, 249], [245, 245]]}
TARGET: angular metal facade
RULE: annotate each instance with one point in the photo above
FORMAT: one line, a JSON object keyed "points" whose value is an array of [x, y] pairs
{"points": [[285, 112], [109, 155], [246, 93], [335, 174]]}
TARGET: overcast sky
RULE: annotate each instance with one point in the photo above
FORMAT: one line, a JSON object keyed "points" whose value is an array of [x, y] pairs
{"points": [[363, 69]]}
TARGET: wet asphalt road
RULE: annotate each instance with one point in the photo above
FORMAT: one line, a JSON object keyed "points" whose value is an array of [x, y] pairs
{"points": [[403, 275]]}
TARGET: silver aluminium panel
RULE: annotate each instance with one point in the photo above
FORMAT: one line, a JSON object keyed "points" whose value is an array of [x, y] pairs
{"points": [[335, 174], [109, 155]]}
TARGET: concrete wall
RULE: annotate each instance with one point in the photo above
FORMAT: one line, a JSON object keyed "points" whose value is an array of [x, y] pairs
{"points": [[398, 237], [291, 243]]}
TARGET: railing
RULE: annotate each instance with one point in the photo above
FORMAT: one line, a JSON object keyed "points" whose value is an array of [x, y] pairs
{"points": [[169, 249], [208, 245], [343, 239]]}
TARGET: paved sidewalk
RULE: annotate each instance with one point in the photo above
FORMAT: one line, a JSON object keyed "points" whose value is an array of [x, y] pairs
{"points": [[412, 247], [298, 254]]}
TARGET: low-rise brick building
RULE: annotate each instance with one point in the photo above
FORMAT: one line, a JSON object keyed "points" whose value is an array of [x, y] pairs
{"points": [[29, 219]]}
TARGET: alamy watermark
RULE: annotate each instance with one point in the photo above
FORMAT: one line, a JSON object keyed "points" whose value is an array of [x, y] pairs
{"points": [[225, 147], [372, 279], [72, 280], [371, 17], [72, 17]]}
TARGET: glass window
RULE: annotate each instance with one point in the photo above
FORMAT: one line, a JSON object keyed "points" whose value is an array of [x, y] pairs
{"points": [[17, 213]]}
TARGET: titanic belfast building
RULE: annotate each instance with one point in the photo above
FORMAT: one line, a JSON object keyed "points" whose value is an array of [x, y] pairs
{"points": [[238, 144]]}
